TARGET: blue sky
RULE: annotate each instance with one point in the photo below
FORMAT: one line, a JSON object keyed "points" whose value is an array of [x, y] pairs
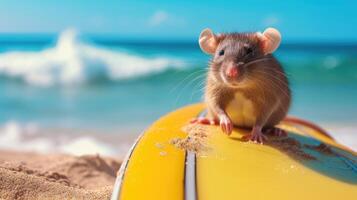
{"points": [[328, 20]]}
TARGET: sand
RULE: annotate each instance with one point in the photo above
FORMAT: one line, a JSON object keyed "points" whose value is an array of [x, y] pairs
{"points": [[195, 141], [56, 176]]}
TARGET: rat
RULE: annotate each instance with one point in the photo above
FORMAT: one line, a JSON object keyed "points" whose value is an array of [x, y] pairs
{"points": [[246, 85]]}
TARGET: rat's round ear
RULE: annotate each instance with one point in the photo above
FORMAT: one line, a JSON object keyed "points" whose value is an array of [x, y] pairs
{"points": [[270, 39], [208, 41]]}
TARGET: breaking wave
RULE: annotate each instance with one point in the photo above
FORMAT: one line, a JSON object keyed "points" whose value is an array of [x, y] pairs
{"points": [[72, 61], [31, 137]]}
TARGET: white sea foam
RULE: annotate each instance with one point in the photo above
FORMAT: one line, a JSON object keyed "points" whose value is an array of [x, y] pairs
{"points": [[29, 137], [71, 61]]}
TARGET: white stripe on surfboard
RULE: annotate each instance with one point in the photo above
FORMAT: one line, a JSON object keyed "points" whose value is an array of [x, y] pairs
{"points": [[190, 176], [190, 171], [121, 172]]}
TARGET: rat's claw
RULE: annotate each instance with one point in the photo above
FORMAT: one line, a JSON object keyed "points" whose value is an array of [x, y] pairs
{"points": [[226, 124], [259, 138], [255, 136]]}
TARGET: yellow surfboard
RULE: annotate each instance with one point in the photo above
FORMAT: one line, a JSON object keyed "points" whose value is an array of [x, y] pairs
{"points": [[304, 165]]}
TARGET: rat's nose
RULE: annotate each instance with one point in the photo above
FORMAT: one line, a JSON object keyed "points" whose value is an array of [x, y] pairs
{"points": [[233, 70]]}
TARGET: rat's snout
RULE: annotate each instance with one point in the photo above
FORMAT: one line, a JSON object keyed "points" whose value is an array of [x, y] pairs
{"points": [[233, 70]]}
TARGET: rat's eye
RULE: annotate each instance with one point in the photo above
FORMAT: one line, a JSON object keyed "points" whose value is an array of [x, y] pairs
{"points": [[221, 52], [249, 50]]}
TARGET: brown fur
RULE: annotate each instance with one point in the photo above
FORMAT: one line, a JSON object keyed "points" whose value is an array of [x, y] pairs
{"points": [[263, 82]]}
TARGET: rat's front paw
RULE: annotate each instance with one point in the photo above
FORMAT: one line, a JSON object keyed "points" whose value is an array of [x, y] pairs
{"points": [[226, 124], [204, 121]]}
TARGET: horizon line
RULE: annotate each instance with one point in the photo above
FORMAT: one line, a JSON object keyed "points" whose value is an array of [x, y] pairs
{"points": [[117, 38]]}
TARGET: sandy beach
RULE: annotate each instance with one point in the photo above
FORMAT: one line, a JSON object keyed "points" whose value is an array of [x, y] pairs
{"points": [[56, 176]]}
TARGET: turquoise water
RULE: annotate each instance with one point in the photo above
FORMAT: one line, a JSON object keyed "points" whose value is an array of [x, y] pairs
{"points": [[92, 83]]}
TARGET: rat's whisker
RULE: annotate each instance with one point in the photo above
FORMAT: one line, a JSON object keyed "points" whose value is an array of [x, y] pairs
{"points": [[274, 70], [258, 60], [185, 79], [189, 83], [197, 89]]}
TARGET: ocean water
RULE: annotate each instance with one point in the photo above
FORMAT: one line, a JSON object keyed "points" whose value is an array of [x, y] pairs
{"points": [[75, 84]]}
